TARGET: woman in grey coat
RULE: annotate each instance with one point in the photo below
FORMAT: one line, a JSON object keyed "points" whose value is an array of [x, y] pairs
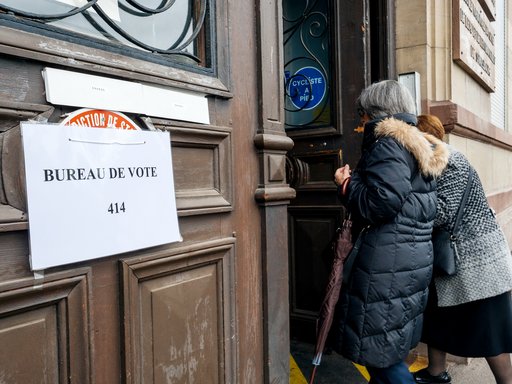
{"points": [[470, 313]]}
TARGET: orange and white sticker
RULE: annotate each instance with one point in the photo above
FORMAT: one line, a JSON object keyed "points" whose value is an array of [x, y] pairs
{"points": [[99, 118]]}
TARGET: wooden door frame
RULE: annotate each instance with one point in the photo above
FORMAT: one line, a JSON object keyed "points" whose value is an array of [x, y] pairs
{"points": [[273, 194], [382, 34]]}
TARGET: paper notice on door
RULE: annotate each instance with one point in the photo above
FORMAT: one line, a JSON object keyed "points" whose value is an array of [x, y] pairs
{"points": [[110, 7], [96, 192]]}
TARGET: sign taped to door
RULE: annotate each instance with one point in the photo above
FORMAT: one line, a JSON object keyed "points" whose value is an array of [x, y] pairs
{"points": [[96, 192], [306, 88]]}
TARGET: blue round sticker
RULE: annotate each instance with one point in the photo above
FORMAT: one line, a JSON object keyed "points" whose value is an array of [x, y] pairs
{"points": [[306, 88]]}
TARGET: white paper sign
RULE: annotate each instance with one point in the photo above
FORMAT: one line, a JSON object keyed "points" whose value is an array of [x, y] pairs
{"points": [[95, 192]]}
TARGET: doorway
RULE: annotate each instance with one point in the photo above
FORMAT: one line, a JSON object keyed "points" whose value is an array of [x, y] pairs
{"points": [[331, 52]]}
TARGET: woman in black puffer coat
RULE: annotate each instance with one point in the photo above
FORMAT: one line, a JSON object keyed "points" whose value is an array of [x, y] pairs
{"points": [[392, 193]]}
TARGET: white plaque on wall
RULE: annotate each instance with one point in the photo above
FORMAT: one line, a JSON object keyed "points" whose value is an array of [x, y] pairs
{"points": [[96, 192], [98, 92]]}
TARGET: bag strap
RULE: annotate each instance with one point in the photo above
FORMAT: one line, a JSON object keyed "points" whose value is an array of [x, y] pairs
{"points": [[463, 203], [349, 261]]}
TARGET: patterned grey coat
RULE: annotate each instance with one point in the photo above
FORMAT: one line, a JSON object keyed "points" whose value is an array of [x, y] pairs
{"points": [[484, 265]]}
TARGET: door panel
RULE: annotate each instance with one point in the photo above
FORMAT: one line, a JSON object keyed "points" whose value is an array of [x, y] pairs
{"points": [[178, 309], [41, 325], [45, 321], [311, 245]]}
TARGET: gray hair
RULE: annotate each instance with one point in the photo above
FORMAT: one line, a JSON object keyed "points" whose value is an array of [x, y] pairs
{"points": [[385, 98]]}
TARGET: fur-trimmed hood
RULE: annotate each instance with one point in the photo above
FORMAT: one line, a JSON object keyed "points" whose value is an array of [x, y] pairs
{"points": [[430, 152]]}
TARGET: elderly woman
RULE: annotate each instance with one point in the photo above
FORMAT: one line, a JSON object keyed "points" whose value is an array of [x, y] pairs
{"points": [[470, 313], [392, 194]]}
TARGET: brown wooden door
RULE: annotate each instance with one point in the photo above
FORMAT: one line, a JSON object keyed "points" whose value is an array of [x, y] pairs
{"points": [[160, 315], [188, 312], [325, 41]]}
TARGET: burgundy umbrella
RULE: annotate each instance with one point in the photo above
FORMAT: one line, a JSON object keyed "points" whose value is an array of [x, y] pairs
{"points": [[342, 247]]}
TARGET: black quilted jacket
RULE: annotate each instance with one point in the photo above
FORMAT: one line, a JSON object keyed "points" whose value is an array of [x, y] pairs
{"points": [[392, 192]]}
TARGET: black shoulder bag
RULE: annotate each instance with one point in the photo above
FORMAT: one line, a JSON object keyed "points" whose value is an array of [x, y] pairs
{"points": [[444, 241]]}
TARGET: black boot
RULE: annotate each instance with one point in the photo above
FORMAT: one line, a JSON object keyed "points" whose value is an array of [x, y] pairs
{"points": [[424, 377]]}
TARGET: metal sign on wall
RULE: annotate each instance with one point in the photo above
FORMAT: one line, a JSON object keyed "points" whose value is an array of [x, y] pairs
{"points": [[473, 41]]}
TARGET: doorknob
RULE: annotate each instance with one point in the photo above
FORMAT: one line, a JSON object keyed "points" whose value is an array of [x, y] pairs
{"points": [[297, 172]]}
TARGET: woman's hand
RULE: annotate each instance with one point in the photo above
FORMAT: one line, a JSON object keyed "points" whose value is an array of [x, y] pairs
{"points": [[342, 174]]}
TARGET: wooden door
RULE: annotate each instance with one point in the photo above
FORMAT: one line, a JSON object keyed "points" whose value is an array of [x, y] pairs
{"points": [[188, 312], [328, 62]]}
